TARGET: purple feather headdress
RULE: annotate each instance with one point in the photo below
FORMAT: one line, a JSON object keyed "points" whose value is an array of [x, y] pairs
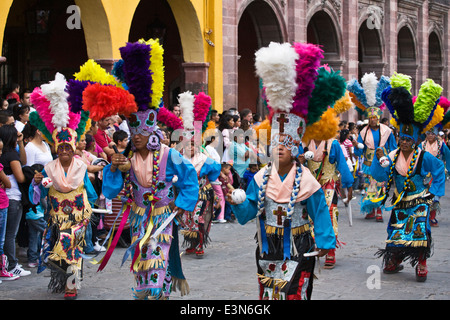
{"points": [[136, 72]]}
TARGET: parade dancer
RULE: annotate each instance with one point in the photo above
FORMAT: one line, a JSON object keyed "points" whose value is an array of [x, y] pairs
{"points": [[197, 223], [439, 149], [409, 233], [367, 100], [66, 185], [159, 182], [329, 166], [284, 195]]}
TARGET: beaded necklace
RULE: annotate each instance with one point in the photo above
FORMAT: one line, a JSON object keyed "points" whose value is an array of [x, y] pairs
{"points": [[294, 194], [155, 175], [408, 175]]}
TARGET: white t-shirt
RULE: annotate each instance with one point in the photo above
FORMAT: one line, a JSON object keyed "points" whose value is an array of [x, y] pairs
{"points": [[19, 125], [213, 154], [36, 156]]}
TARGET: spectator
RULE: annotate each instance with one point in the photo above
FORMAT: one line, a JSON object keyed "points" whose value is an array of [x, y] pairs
{"points": [[38, 153], [14, 94], [226, 128], [226, 179], [4, 104], [176, 110], [257, 119], [102, 138], [21, 115], [120, 138], [6, 118], [4, 202], [250, 173], [26, 100], [13, 169], [246, 114], [215, 117], [237, 122], [37, 150], [239, 153]]}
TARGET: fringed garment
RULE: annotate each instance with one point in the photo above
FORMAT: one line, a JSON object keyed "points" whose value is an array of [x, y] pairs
{"points": [[373, 189], [409, 234], [154, 270], [197, 223], [63, 240], [283, 272]]}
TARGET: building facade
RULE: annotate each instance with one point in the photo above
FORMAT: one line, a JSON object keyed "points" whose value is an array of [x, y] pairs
{"points": [[210, 44]]}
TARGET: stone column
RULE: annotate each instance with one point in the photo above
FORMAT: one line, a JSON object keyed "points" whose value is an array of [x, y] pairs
{"points": [[107, 64], [422, 48], [390, 36], [196, 76], [296, 20], [230, 47], [350, 29]]}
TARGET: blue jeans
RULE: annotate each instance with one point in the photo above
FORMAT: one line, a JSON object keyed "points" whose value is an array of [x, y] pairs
{"points": [[12, 226], [3, 219], [35, 230], [89, 247]]}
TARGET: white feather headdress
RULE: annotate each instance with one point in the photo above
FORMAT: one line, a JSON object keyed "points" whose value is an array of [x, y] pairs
{"points": [[276, 65]]}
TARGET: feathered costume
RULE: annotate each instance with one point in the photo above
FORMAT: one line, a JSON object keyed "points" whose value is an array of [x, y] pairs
{"points": [[152, 185], [282, 205], [367, 99], [70, 196], [409, 234], [328, 164], [195, 111], [438, 148]]}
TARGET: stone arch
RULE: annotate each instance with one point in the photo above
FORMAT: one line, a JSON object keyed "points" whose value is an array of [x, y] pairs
{"points": [[370, 50], [260, 22], [435, 57], [407, 53], [323, 29], [38, 42]]}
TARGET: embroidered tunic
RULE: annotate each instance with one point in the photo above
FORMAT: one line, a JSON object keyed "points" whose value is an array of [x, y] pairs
{"points": [[63, 239], [409, 233], [156, 271], [328, 161], [197, 223], [372, 139], [283, 271]]}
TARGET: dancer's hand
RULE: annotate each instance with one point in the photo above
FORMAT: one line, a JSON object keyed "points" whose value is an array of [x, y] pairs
{"points": [[117, 159], [322, 252], [349, 194], [379, 153]]}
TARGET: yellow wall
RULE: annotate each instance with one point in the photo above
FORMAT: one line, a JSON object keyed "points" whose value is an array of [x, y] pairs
{"points": [[106, 25]]}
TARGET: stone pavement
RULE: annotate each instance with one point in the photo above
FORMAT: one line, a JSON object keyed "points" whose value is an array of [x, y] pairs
{"points": [[228, 272]]}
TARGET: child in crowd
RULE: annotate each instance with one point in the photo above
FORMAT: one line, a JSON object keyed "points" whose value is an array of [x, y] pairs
{"points": [[226, 178], [250, 173], [120, 138]]}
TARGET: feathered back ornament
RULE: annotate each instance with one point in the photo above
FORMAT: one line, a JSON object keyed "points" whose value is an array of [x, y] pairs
{"points": [[276, 65], [292, 75], [413, 115], [323, 120], [367, 95], [53, 115], [142, 70]]}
